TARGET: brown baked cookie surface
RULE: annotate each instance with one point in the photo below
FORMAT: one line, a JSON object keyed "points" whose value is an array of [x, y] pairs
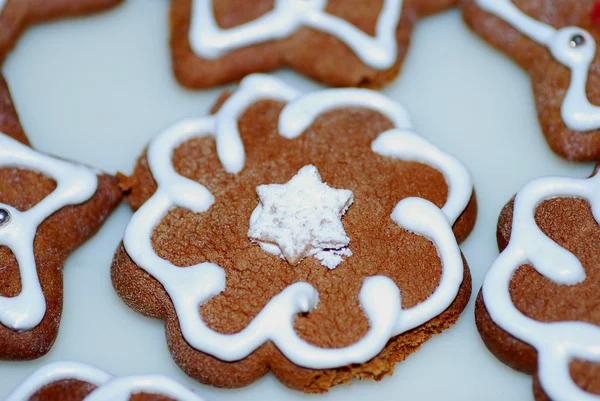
{"points": [[550, 78], [56, 237], [64, 390], [568, 221], [72, 381], [310, 51], [17, 15], [74, 390], [338, 144], [46, 10]]}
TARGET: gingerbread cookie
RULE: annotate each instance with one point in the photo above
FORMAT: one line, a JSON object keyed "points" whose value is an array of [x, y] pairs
{"points": [[314, 235], [48, 207], [555, 42], [17, 15], [72, 381], [337, 42], [538, 308]]}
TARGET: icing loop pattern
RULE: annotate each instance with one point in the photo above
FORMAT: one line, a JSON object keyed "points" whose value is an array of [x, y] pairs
{"points": [[557, 343], [571, 46], [108, 388], [74, 185], [379, 297], [209, 41]]}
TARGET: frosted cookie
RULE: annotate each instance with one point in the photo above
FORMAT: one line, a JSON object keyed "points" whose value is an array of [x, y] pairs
{"points": [[337, 42], [72, 381], [17, 15], [538, 308], [555, 42], [314, 235], [48, 207]]}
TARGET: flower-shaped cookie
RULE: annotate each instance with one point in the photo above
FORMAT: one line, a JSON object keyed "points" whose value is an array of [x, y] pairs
{"points": [[17, 15], [235, 309], [555, 42], [538, 308], [78, 382], [338, 42], [48, 207]]}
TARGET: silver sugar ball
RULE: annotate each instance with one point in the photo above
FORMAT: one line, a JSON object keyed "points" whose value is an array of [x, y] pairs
{"points": [[577, 40], [4, 217]]}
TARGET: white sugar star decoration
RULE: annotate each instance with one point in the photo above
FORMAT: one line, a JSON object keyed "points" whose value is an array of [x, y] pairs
{"points": [[302, 218]]}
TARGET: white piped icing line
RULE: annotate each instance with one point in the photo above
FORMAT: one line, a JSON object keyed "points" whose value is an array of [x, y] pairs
{"points": [[109, 388], [557, 343], [577, 112], [209, 41], [75, 184], [379, 296]]}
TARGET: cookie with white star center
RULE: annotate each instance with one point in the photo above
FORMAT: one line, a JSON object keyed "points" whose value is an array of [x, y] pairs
{"points": [[72, 381], [48, 207], [556, 43], [17, 15], [337, 42], [314, 235]]}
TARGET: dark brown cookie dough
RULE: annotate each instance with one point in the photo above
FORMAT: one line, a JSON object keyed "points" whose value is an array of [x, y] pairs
{"points": [[17, 15], [338, 144], [570, 223], [46, 10], [63, 390], [56, 238], [549, 78], [12, 24], [313, 53], [75, 390]]}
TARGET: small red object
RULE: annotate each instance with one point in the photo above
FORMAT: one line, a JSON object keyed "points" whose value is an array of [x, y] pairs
{"points": [[596, 13]]}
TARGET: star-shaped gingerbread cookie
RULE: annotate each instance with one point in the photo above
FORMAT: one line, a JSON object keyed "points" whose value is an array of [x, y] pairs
{"points": [[48, 207], [337, 42], [17, 15], [555, 42]]}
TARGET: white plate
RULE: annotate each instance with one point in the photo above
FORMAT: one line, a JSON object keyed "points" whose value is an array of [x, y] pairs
{"points": [[97, 89]]}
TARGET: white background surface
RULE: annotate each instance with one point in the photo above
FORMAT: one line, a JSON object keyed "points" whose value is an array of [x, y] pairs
{"points": [[95, 90]]}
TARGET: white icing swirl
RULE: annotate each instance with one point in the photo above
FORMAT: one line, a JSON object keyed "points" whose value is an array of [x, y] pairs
{"points": [[379, 297], [108, 387], [209, 41], [577, 112], [557, 343], [75, 184]]}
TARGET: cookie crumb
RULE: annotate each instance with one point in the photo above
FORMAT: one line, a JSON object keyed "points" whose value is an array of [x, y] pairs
{"points": [[331, 258]]}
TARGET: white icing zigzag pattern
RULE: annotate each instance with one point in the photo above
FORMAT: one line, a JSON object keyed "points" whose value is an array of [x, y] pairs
{"points": [[379, 52], [379, 297], [108, 388], [571, 46], [557, 343], [74, 185]]}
